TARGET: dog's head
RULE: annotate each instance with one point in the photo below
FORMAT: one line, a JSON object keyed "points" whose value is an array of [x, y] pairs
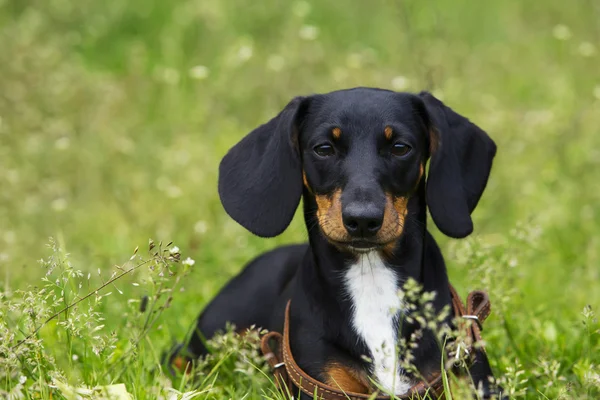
{"points": [[359, 154]]}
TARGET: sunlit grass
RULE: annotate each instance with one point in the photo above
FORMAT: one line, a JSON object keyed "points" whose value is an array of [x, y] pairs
{"points": [[114, 116]]}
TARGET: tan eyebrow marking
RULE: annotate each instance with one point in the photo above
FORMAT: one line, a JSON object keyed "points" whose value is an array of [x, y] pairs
{"points": [[336, 133], [388, 132]]}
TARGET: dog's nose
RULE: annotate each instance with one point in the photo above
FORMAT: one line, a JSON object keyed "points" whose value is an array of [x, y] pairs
{"points": [[362, 221]]}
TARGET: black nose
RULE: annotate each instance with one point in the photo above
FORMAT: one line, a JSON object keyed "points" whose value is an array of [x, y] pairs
{"points": [[362, 220]]}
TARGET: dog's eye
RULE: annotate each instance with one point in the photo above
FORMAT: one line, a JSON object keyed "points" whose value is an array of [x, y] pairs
{"points": [[400, 149], [324, 150]]}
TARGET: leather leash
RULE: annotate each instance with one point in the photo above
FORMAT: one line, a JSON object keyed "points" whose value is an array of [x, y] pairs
{"points": [[289, 377]]}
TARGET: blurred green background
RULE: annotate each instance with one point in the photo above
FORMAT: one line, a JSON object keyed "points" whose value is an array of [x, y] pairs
{"points": [[114, 116]]}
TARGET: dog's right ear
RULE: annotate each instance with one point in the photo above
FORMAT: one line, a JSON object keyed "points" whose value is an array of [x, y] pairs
{"points": [[260, 178], [461, 161]]}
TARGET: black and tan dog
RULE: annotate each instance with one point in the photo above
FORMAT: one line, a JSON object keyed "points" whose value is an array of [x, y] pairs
{"points": [[357, 157]]}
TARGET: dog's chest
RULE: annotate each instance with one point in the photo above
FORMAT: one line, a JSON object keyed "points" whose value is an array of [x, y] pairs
{"points": [[376, 301]]}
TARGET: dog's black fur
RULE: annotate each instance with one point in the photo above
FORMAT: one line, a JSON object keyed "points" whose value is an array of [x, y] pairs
{"points": [[355, 156]]}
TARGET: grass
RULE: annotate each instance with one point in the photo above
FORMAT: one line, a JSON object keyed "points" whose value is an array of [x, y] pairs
{"points": [[115, 114]]}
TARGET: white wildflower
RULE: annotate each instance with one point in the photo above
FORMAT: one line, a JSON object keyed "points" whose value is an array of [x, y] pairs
{"points": [[562, 32], [201, 227], [301, 9], [199, 72], [59, 204], [189, 261], [399, 83], [62, 143], [245, 53], [309, 32], [587, 49]]}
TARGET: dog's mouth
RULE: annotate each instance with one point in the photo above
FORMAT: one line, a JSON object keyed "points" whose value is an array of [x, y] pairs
{"points": [[358, 245]]}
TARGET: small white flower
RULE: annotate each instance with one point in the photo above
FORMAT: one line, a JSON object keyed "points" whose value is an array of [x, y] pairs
{"points": [[201, 227], [309, 32], [245, 53], [174, 191], [587, 49], [75, 357], [188, 261], [62, 143], [513, 262], [301, 9], [22, 379], [135, 284], [59, 204], [562, 32], [174, 250], [199, 72], [399, 82]]}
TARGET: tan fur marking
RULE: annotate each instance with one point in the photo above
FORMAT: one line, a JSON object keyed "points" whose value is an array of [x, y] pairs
{"points": [[306, 181], [388, 132], [388, 249], [421, 172], [400, 205], [394, 217], [182, 364], [337, 132], [329, 215], [346, 379]]}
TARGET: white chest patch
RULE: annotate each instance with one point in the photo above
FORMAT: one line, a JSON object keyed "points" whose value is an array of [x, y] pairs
{"points": [[373, 289]]}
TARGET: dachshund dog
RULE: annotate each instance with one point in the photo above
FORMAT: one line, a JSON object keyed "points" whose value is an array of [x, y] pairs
{"points": [[357, 158]]}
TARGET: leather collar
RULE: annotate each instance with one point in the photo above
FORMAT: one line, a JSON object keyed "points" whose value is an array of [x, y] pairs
{"points": [[290, 378]]}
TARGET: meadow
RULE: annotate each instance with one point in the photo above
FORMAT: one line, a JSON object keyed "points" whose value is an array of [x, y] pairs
{"points": [[114, 116]]}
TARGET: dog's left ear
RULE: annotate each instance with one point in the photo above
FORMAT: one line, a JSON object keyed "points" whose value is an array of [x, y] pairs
{"points": [[260, 178], [461, 159]]}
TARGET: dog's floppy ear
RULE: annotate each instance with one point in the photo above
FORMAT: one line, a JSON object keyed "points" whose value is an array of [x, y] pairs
{"points": [[260, 178], [461, 160]]}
